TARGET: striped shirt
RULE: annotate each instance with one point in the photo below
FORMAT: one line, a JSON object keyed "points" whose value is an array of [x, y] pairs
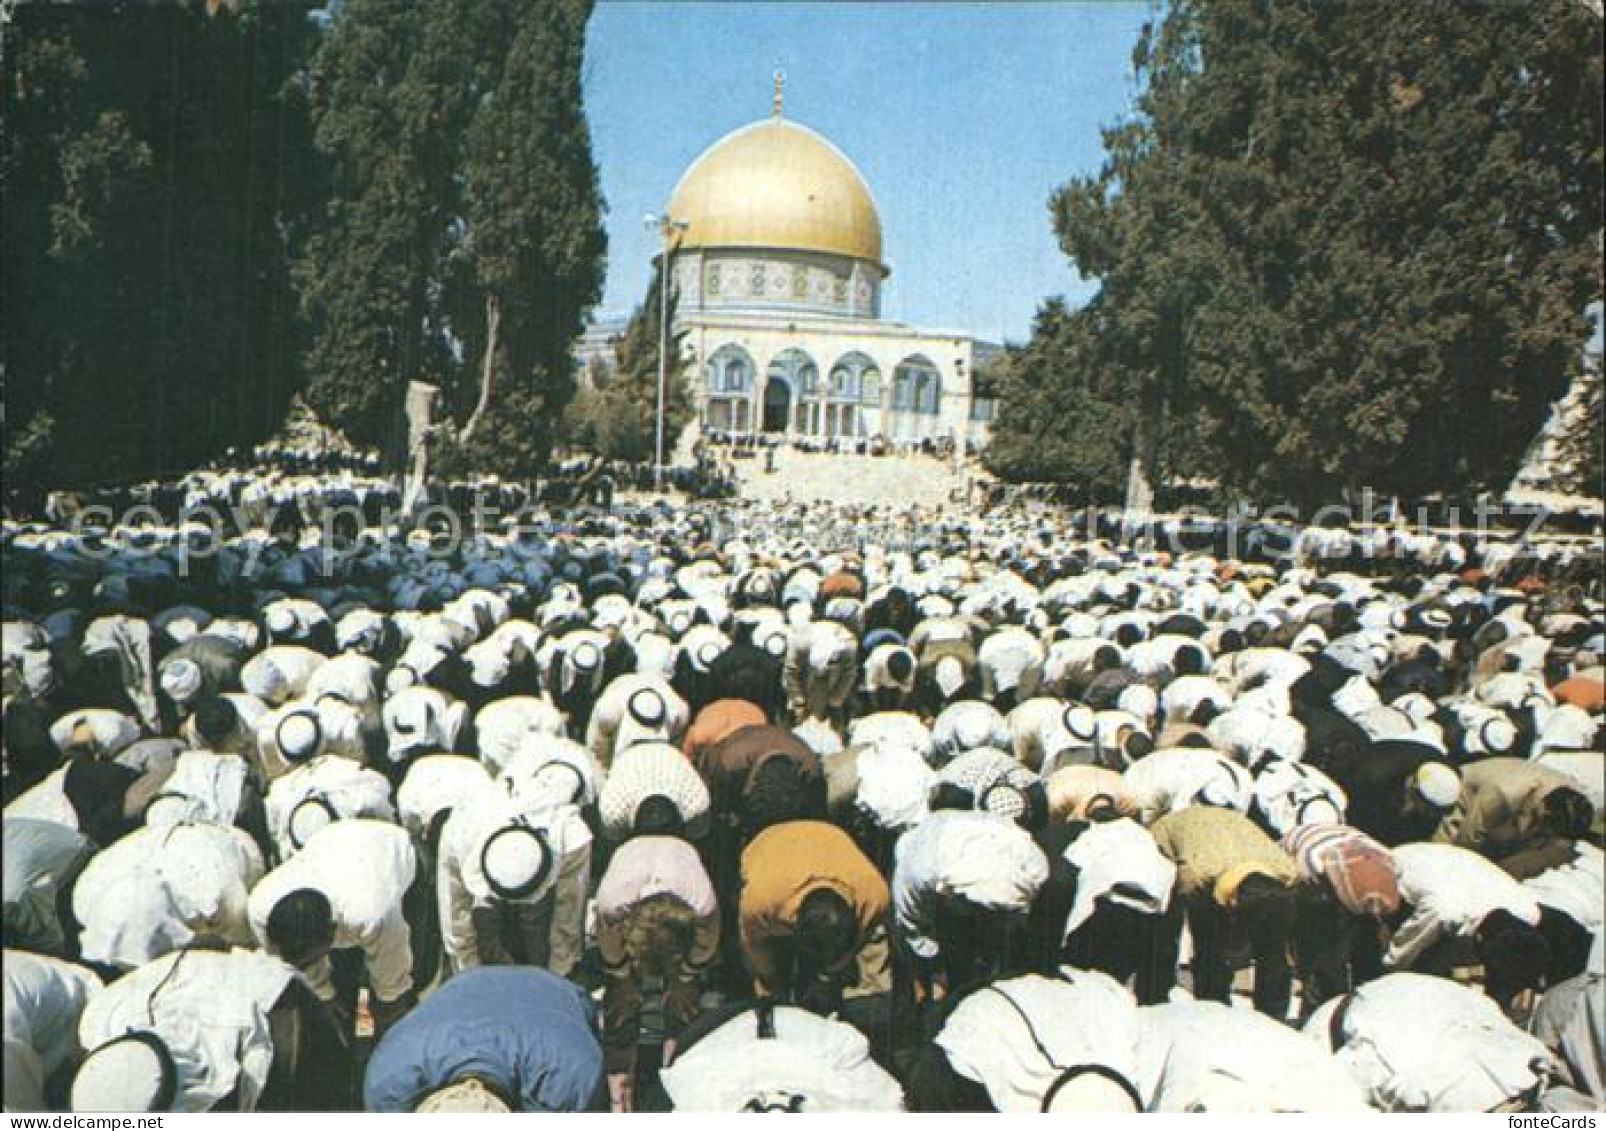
{"points": [[1358, 869]]}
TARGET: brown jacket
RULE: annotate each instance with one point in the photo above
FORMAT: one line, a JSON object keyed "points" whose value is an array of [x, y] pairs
{"points": [[717, 722], [1071, 789], [781, 866], [727, 765], [1498, 813]]}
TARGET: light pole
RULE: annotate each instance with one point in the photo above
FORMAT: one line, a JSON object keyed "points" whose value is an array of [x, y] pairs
{"points": [[667, 227]]}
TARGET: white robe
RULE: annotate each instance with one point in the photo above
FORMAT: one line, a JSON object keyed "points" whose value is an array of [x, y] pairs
{"points": [[158, 890], [1113, 853], [364, 869], [1205, 1056], [210, 1009], [1449, 891], [461, 884], [1016, 1037], [44, 998], [1422, 1043], [813, 1064]]}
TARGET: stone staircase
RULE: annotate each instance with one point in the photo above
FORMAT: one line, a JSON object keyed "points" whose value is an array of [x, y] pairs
{"points": [[853, 480]]}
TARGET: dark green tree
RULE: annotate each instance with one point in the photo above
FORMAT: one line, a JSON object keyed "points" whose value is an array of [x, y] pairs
{"points": [[1059, 420], [157, 165], [618, 419], [465, 244], [1351, 244]]}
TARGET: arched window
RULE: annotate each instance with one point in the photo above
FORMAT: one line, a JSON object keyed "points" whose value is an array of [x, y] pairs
{"points": [[797, 369], [729, 372], [855, 379], [916, 386]]}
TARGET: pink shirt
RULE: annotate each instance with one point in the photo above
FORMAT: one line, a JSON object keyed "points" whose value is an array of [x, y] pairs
{"points": [[648, 866]]}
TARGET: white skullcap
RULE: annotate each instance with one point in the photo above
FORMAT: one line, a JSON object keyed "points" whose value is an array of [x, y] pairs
{"points": [[775, 644], [973, 729], [126, 1074], [1080, 722], [182, 680], [1218, 794], [356, 625], [585, 655], [265, 680], [1438, 784], [1319, 809], [647, 707], [515, 861], [311, 816], [1437, 618], [708, 653], [466, 1097], [298, 735], [279, 619], [1497, 735], [1090, 1092], [826, 648], [399, 678], [167, 809]]}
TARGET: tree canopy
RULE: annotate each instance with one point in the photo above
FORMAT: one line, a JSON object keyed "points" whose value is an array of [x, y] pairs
{"points": [[617, 419], [158, 171], [464, 244], [1338, 245]]}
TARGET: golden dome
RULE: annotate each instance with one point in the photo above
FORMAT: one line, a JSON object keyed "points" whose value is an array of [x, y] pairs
{"points": [[776, 184]]}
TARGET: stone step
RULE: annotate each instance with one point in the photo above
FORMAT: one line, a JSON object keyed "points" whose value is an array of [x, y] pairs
{"points": [[852, 480]]}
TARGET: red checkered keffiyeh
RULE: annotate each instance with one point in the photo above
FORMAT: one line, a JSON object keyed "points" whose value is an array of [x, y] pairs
{"points": [[1359, 870]]}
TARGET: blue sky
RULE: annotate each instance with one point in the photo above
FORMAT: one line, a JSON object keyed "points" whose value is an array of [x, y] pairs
{"points": [[962, 117]]}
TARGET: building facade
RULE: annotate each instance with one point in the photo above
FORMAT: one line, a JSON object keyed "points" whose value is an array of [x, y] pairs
{"points": [[775, 252]]}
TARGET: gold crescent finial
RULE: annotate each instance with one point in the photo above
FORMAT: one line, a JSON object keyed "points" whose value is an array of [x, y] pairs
{"points": [[780, 88]]}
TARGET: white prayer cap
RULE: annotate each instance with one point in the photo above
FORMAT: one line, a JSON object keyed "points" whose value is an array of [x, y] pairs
{"points": [[279, 619], [182, 680], [774, 643], [308, 818], [647, 707], [1217, 794], [1318, 809], [516, 861], [1091, 1091], [132, 1073], [168, 809], [585, 655], [265, 680], [1417, 707], [827, 647], [299, 735], [400, 678], [1080, 723], [1438, 784], [1497, 735], [359, 626]]}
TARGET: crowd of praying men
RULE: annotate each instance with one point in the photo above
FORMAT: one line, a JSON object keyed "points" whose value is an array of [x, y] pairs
{"points": [[721, 809]]}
